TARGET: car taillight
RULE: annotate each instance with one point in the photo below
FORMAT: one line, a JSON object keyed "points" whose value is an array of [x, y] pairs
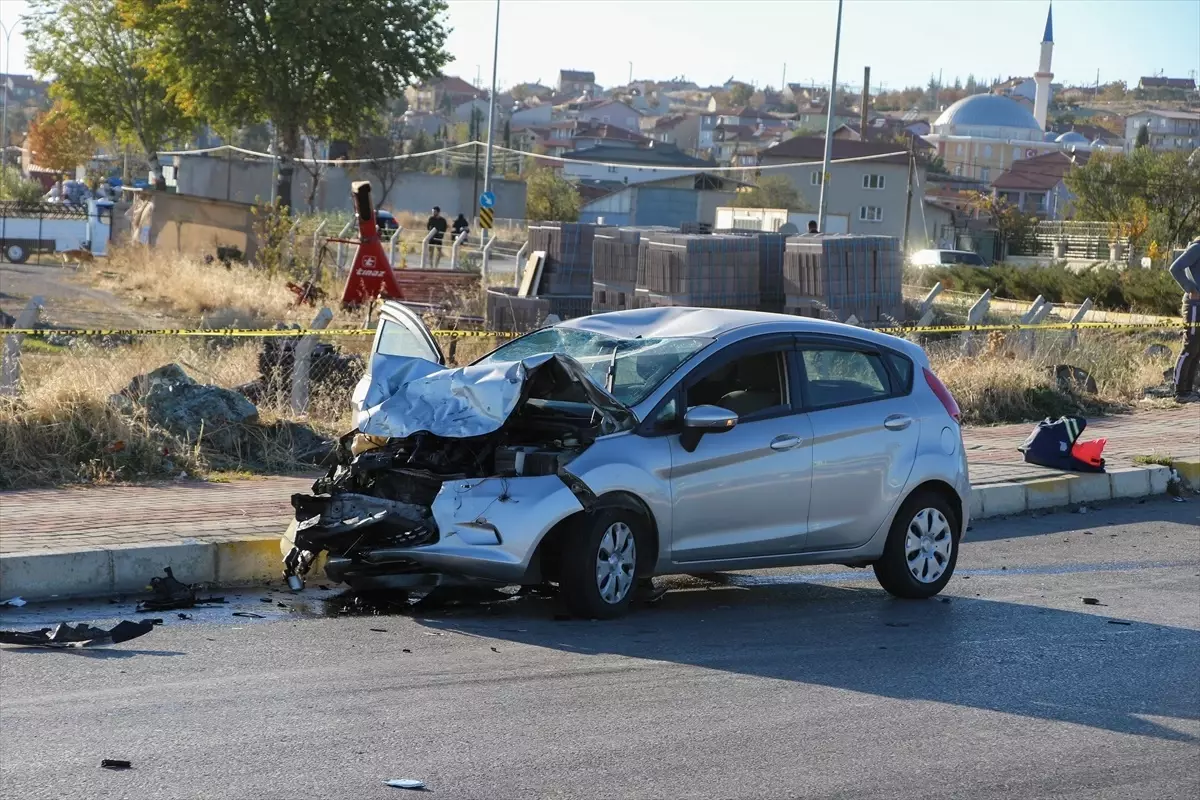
{"points": [[943, 394]]}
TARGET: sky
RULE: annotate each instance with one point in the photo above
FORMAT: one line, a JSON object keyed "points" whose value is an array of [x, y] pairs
{"points": [[708, 41]]}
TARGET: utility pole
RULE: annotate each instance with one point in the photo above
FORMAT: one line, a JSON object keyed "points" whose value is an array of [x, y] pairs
{"points": [[487, 167], [912, 170], [630, 73], [783, 80], [866, 98], [837, 42], [474, 134]]}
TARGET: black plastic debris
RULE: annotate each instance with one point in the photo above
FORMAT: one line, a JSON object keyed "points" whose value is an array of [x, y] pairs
{"points": [[1118, 622], [154, 621], [66, 635], [1092, 601], [169, 593], [406, 650], [379, 630], [249, 614], [184, 616], [116, 763], [495, 650]]}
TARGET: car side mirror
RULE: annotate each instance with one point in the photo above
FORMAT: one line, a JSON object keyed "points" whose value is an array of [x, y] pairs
{"points": [[700, 420]]}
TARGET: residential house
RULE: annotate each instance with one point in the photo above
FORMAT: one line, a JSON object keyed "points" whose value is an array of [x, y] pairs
{"points": [[670, 201], [801, 95], [426, 122], [872, 192], [1185, 84], [1017, 87], [1169, 130], [681, 130], [540, 114], [462, 112], [528, 90], [445, 93], [631, 165], [565, 136], [610, 112], [1038, 185], [576, 83], [23, 90]]}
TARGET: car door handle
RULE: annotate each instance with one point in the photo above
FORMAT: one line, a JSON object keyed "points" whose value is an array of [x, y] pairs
{"points": [[897, 422], [785, 442]]}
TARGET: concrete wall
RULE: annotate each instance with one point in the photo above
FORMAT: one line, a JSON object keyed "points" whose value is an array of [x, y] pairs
{"points": [[188, 224], [243, 181], [656, 205], [846, 194]]}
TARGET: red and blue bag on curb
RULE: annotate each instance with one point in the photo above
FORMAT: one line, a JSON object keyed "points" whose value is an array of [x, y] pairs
{"points": [[1055, 444]]}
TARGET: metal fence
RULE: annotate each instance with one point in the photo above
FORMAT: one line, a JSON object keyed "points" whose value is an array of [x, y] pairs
{"points": [[37, 231]]}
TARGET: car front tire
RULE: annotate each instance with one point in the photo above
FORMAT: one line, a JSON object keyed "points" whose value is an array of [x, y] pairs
{"points": [[922, 548], [599, 571]]}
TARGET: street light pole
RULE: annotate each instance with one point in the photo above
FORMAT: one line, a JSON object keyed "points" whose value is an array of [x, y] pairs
{"points": [[487, 162], [4, 114], [837, 42]]}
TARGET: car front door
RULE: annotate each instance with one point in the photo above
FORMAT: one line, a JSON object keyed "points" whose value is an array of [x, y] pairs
{"points": [[743, 493], [865, 433]]}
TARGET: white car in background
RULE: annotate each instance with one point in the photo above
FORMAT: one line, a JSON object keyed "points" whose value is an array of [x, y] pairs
{"points": [[945, 258]]}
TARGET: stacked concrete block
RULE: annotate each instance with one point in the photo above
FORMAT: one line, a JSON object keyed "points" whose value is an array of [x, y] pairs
{"points": [[699, 270], [847, 274], [508, 312], [770, 265]]}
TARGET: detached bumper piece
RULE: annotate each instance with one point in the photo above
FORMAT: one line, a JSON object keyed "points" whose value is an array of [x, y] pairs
{"points": [[65, 635]]}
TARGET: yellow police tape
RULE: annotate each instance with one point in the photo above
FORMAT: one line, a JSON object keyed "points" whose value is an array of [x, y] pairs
{"points": [[292, 332]]}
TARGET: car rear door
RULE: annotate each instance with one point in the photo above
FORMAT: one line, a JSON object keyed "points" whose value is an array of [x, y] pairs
{"points": [[744, 492], [865, 433]]}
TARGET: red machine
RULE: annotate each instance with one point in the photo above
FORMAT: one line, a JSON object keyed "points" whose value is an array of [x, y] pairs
{"points": [[371, 275]]}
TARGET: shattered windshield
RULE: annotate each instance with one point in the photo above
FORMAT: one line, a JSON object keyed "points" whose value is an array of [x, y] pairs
{"points": [[641, 365]]}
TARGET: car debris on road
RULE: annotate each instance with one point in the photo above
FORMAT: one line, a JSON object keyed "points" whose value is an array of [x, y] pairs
{"points": [[82, 635], [170, 594]]}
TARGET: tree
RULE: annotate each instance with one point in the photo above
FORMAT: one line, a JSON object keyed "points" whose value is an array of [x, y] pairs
{"points": [[772, 191], [549, 196], [1142, 194], [58, 141], [740, 94], [100, 73], [972, 87], [1143, 137], [314, 168], [1013, 225], [311, 67]]}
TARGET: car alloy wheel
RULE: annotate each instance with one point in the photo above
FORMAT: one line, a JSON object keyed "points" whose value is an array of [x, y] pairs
{"points": [[927, 545], [616, 559]]}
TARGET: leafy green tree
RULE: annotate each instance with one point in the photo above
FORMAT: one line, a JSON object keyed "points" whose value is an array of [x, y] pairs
{"points": [[549, 196], [58, 141], [1144, 195], [317, 68], [99, 65], [1143, 137], [772, 191], [740, 94]]}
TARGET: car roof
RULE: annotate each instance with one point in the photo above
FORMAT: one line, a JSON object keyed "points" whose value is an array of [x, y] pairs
{"points": [[711, 323]]}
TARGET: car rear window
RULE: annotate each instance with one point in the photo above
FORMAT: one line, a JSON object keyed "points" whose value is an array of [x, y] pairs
{"points": [[903, 368]]}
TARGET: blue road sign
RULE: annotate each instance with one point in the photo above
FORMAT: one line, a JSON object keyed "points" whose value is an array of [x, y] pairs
{"points": [[487, 200]]}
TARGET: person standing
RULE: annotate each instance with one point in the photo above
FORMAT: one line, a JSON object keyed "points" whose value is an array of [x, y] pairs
{"points": [[437, 224], [1186, 272], [812, 226]]}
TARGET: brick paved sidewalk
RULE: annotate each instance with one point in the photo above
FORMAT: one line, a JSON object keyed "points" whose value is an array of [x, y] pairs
{"points": [[103, 517]]}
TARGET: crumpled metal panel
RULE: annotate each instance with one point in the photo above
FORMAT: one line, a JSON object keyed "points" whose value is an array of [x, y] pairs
{"points": [[401, 396]]}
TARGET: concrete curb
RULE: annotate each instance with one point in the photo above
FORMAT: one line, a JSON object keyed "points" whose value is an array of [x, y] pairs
{"points": [[1005, 499], [127, 569]]}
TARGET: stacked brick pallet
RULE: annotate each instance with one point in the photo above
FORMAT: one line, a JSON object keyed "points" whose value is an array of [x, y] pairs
{"points": [[847, 274], [698, 270], [567, 273], [770, 265], [508, 312]]}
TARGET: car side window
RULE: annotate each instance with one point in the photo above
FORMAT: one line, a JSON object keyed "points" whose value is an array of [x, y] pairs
{"points": [[835, 377], [903, 370], [751, 386]]}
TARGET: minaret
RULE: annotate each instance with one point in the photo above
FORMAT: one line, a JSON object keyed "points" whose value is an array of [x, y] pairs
{"points": [[1043, 76]]}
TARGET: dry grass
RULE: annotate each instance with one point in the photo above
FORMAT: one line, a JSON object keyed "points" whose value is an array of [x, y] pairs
{"points": [[212, 294], [1006, 383]]}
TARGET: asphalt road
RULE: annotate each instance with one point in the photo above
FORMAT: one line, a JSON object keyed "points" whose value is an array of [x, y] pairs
{"points": [[793, 683]]}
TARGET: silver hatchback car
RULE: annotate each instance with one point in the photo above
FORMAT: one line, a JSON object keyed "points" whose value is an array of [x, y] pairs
{"points": [[608, 449]]}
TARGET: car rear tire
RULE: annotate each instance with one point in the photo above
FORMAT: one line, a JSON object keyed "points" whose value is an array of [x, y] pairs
{"points": [[16, 253], [922, 548], [599, 569]]}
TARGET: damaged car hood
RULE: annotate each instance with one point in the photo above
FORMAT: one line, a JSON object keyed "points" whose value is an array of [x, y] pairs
{"points": [[401, 396]]}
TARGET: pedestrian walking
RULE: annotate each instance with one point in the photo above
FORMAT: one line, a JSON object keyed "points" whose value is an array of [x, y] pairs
{"points": [[437, 224], [1186, 272]]}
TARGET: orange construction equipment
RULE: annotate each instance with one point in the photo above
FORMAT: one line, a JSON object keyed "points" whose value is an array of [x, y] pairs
{"points": [[371, 276]]}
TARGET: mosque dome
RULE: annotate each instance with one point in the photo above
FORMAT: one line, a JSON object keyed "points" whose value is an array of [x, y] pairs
{"points": [[1072, 137], [984, 114]]}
